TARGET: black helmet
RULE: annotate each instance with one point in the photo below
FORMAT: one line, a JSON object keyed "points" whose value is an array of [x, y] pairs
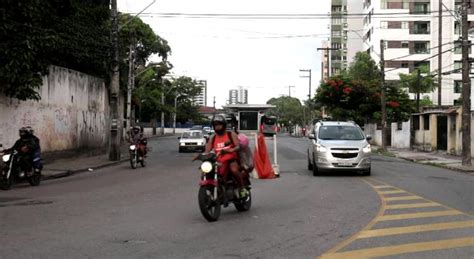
{"points": [[23, 132], [30, 130], [219, 119], [136, 129]]}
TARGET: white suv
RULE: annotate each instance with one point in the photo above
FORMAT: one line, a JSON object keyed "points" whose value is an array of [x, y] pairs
{"points": [[338, 146]]}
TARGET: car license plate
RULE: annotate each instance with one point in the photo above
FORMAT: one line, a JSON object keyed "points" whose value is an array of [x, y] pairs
{"points": [[344, 163]]}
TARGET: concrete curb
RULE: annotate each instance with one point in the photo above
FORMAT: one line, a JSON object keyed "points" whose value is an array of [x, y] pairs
{"points": [[440, 165], [81, 170]]}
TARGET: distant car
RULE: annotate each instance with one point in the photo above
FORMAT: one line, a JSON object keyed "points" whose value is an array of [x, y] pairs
{"points": [[197, 127], [192, 140], [338, 146], [268, 125], [207, 132]]}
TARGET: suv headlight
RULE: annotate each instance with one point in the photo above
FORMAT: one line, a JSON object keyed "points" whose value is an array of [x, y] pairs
{"points": [[6, 158], [132, 147], [321, 148], [367, 149]]}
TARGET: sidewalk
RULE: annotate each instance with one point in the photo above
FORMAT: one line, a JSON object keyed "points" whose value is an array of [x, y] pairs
{"points": [[436, 158], [83, 163]]}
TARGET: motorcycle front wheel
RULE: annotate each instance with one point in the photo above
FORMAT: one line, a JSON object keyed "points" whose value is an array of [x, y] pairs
{"points": [[6, 184], [210, 209], [35, 179], [133, 161]]}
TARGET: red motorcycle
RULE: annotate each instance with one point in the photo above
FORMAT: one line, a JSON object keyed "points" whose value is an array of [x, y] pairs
{"points": [[218, 189]]}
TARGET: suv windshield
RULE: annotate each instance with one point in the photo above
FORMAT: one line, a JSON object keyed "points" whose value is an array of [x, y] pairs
{"points": [[195, 134], [340, 133]]}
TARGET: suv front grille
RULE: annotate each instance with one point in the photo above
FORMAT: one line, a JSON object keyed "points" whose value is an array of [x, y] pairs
{"points": [[344, 155]]}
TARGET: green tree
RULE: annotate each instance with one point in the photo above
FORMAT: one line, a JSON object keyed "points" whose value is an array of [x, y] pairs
{"points": [[288, 110], [417, 83], [364, 69], [35, 34]]}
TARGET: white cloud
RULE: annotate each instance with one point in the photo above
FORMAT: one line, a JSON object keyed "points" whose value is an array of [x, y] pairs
{"points": [[230, 52]]}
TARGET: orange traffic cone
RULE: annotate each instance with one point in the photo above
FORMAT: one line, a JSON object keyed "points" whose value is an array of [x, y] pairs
{"points": [[262, 160]]}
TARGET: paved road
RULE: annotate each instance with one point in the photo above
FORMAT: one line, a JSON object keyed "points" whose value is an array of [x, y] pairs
{"points": [[403, 210]]}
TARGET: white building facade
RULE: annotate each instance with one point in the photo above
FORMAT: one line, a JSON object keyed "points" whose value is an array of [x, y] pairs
{"points": [[410, 31]]}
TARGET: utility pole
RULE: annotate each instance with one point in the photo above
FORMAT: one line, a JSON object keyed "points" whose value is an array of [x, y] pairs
{"points": [[440, 48], [466, 89], [131, 81], [382, 96], [214, 103], [114, 141], [162, 112], [308, 76], [289, 90], [327, 50]]}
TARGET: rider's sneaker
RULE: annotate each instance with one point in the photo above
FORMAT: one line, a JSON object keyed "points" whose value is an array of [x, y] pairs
{"points": [[244, 193]]}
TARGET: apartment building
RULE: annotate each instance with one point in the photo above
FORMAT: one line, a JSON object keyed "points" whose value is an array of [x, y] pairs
{"points": [[345, 27], [410, 33], [238, 96], [201, 99]]}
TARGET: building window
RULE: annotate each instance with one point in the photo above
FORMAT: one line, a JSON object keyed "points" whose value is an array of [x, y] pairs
{"points": [[423, 66], [457, 86], [426, 122], [336, 21], [457, 66], [336, 8], [383, 25], [336, 33], [421, 27], [405, 4], [404, 65], [383, 4], [405, 25], [458, 47], [422, 47], [416, 122], [421, 8], [399, 125], [457, 28], [336, 45], [404, 44]]}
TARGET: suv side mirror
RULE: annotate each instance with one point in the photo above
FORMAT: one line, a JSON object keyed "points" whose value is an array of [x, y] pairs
{"points": [[179, 137], [311, 136], [369, 138]]}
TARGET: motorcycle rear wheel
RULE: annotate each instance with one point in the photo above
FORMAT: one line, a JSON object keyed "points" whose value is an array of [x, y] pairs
{"points": [[210, 209], [243, 205], [35, 179]]}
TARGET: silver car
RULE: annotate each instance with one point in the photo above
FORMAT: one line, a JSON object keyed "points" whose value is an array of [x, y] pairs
{"points": [[338, 146]]}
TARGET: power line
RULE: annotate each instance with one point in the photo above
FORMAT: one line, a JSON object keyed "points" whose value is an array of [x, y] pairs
{"points": [[419, 61]]}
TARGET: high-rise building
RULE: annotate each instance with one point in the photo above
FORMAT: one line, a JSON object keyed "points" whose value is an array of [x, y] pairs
{"points": [[344, 31], [410, 33], [201, 99], [238, 96], [233, 96]]}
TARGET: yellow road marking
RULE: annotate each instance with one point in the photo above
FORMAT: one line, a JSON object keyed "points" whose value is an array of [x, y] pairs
{"points": [[415, 229], [419, 215], [382, 186], [413, 205], [403, 249], [391, 192], [403, 198]]}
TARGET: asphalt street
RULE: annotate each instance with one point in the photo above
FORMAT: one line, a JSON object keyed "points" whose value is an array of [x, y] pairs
{"points": [[404, 210]]}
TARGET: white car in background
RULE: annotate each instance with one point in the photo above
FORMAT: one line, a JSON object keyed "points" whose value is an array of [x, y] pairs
{"points": [[192, 140]]}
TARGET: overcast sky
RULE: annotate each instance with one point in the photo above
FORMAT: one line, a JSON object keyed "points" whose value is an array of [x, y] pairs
{"points": [[262, 55]]}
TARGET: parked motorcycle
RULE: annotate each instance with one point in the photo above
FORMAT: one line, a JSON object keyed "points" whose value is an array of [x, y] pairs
{"points": [[218, 189], [136, 155], [11, 172]]}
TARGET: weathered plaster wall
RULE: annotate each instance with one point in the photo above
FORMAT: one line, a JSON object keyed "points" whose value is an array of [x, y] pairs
{"points": [[72, 113]]}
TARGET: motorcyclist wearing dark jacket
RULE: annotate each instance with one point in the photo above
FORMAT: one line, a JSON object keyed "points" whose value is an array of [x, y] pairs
{"points": [[137, 138], [37, 164], [25, 146]]}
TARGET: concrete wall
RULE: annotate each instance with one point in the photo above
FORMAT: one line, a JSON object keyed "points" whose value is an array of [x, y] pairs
{"points": [[371, 129], [72, 113], [401, 138]]}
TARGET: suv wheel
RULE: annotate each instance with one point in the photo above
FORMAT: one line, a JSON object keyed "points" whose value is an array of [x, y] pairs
{"points": [[310, 165], [366, 172], [315, 168]]}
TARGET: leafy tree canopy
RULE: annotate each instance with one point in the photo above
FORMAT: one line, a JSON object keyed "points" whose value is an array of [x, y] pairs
{"points": [[289, 110]]}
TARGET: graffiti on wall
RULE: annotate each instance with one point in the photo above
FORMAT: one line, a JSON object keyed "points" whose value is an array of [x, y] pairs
{"points": [[61, 121]]}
